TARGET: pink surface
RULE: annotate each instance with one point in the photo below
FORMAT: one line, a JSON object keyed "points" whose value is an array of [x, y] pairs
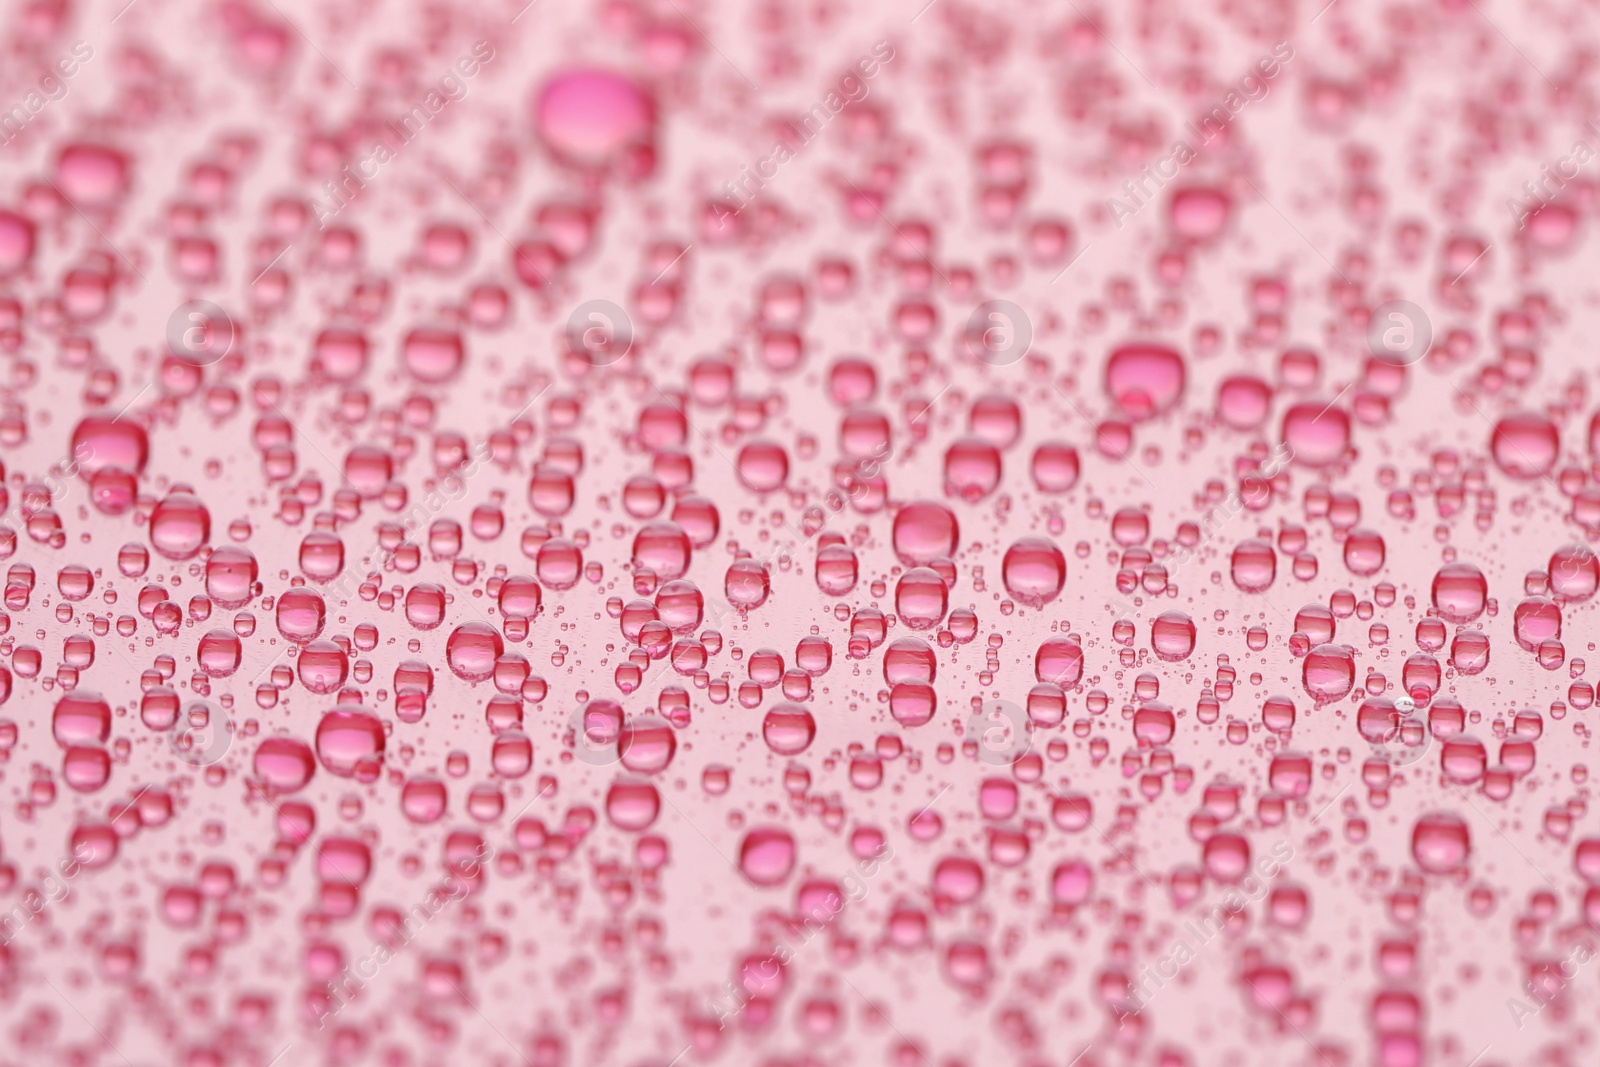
{"points": [[797, 534]]}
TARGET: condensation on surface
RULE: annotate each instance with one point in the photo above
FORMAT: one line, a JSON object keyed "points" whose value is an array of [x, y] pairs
{"points": [[660, 533]]}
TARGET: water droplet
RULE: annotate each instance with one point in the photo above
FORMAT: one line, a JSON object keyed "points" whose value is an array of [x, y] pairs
{"points": [[1034, 570], [767, 856], [1144, 380], [1440, 842]]}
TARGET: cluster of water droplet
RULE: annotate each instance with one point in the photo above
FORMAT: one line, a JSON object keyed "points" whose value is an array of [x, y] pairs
{"points": [[568, 594]]}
